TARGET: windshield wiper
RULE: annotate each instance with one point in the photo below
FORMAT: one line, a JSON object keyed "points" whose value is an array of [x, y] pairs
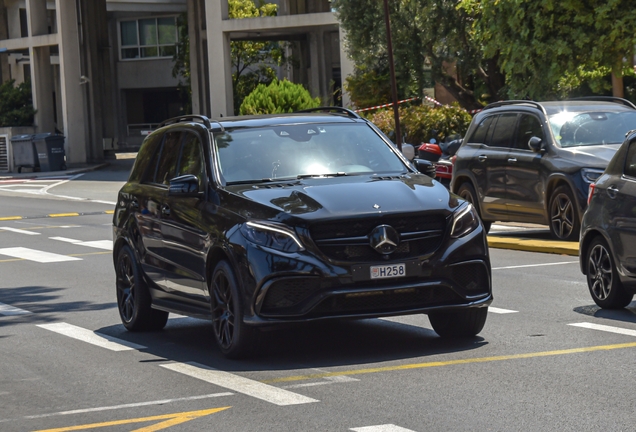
{"points": [[338, 174], [264, 180]]}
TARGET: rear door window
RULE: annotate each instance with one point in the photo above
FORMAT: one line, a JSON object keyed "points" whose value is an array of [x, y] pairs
{"points": [[504, 131]]}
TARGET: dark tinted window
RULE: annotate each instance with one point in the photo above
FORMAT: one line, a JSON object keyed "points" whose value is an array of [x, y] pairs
{"points": [[481, 133], [630, 160], [191, 161], [167, 169], [529, 126], [145, 163], [504, 130]]}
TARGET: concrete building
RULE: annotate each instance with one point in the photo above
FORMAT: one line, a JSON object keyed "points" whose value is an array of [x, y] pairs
{"points": [[101, 70]]}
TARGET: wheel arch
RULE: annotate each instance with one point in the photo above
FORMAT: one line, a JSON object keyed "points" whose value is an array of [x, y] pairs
{"points": [[553, 183], [462, 180], [584, 245]]}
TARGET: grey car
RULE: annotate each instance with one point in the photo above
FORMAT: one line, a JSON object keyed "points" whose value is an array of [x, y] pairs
{"points": [[608, 234], [526, 161]]}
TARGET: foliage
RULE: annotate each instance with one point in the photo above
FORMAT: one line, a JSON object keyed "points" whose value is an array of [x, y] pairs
{"points": [[16, 104], [278, 97], [368, 87], [181, 59], [419, 122], [543, 44], [425, 33]]}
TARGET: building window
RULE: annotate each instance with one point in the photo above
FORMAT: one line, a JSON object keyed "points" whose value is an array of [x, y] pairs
{"points": [[148, 38]]}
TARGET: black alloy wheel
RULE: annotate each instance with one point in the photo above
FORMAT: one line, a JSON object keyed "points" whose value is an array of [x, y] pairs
{"points": [[233, 337], [564, 218], [468, 193], [133, 298], [459, 323], [602, 278]]}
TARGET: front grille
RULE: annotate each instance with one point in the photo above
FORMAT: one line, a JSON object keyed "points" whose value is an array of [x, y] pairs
{"points": [[4, 154], [387, 301], [348, 240], [471, 276]]}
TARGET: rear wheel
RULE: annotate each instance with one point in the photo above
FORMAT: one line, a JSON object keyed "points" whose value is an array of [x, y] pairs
{"points": [[133, 298], [602, 278], [234, 338], [564, 218], [459, 323], [467, 192]]}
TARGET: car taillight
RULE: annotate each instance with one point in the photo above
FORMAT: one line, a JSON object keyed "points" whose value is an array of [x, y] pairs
{"points": [[590, 192]]}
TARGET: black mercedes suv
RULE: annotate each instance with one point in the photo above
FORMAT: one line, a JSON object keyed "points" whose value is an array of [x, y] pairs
{"points": [[251, 221], [525, 161]]}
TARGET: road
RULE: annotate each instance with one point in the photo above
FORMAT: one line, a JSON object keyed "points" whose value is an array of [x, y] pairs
{"points": [[547, 359]]}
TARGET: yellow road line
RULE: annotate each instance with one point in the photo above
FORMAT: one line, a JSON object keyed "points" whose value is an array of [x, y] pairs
{"points": [[530, 245], [10, 218], [452, 362], [171, 420], [55, 215], [110, 212]]}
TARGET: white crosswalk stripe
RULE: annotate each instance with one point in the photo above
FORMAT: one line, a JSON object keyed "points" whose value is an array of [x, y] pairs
{"points": [[36, 255], [8, 310], [605, 328], [19, 231], [98, 244], [500, 311], [381, 428], [91, 337]]}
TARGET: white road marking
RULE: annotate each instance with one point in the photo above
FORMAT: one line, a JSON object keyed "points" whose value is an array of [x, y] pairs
{"points": [[99, 244], [268, 393], [36, 255], [19, 231], [327, 380], [497, 227], [130, 405], [7, 310], [605, 328], [535, 265], [381, 428], [91, 337], [500, 311]]}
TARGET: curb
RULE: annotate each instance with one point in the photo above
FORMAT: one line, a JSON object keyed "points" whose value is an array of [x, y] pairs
{"points": [[529, 245], [70, 171]]}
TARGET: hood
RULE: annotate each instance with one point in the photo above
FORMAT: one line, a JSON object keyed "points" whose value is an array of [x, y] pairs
{"points": [[597, 156], [342, 197]]}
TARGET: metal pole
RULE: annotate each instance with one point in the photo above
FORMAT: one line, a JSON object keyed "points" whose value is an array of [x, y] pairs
{"points": [[398, 135]]}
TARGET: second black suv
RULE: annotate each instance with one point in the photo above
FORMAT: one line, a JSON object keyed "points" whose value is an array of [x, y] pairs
{"points": [[525, 161]]}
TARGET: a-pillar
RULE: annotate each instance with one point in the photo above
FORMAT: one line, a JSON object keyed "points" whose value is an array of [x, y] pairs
{"points": [[73, 108], [41, 71], [219, 59]]}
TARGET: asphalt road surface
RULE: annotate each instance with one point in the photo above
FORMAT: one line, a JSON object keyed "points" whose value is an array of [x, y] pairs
{"points": [[546, 360]]}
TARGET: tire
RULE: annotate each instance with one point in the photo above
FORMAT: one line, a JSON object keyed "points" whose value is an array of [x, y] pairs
{"points": [[234, 338], [565, 223], [133, 298], [606, 289], [467, 192], [459, 323]]}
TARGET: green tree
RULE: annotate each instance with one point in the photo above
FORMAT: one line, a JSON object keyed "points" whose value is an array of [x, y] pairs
{"points": [[425, 32], [16, 104], [544, 47], [181, 59], [278, 97]]}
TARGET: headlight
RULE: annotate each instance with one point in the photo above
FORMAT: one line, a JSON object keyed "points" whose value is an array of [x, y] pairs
{"points": [[274, 236], [590, 175], [465, 220]]}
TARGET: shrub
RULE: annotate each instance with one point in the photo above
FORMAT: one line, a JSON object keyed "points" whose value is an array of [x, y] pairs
{"points": [[418, 122], [16, 104], [278, 97]]}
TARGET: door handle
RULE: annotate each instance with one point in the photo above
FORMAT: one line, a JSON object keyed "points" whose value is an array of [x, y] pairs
{"points": [[482, 158], [512, 160], [612, 191], [165, 210]]}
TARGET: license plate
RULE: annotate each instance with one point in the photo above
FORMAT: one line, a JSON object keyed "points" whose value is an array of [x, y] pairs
{"points": [[388, 271]]}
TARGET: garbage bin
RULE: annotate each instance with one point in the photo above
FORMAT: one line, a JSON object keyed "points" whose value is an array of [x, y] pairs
{"points": [[50, 151], [24, 154]]}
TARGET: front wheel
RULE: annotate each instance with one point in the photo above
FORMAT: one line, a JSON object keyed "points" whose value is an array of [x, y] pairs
{"points": [[468, 193], [459, 323], [234, 338], [133, 298], [602, 278], [564, 217]]}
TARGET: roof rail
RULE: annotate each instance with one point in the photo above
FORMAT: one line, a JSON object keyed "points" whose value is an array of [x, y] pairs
{"points": [[339, 110], [606, 99], [516, 102], [191, 117]]}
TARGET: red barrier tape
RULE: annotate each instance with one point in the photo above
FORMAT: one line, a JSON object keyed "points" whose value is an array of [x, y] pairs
{"points": [[430, 99]]}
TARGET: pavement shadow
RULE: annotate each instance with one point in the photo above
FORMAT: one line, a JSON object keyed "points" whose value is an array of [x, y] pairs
{"points": [[526, 234], [627, 314], [299, 346]]}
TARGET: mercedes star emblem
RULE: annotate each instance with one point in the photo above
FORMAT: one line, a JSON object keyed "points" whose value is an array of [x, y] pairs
{"points": [[384, 239]]}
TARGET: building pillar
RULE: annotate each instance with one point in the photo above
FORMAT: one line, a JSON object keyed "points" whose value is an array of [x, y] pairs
{"points": [[346, 68], [219, 59], [73, 114], [5, 69], [314, 64], [199, 74], [42, 89]]}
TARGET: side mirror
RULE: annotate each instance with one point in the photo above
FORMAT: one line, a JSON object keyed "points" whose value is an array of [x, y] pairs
{"points": [[535, 144], [408, 151], [185, 185], [425, 167]]}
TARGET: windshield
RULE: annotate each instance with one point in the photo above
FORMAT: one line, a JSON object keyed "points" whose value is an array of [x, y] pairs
{"points": [[572, 129], [303, 150]]}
